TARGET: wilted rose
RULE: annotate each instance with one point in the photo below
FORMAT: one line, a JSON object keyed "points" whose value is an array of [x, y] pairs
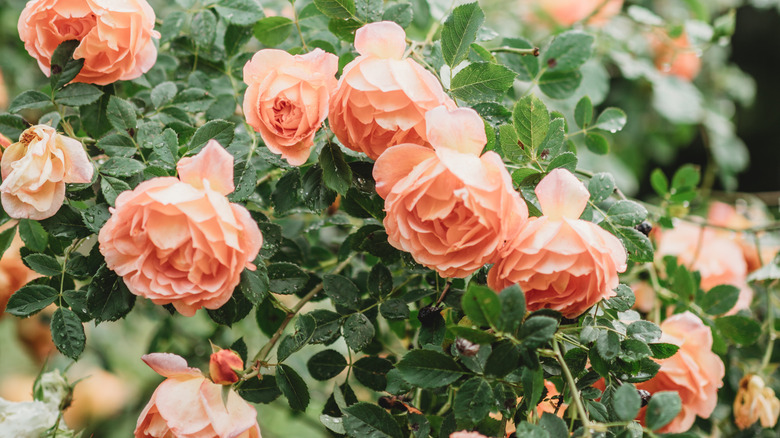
{"points": [[35, 170], [188, 405], [115, 38], [694, 372], [287, 99], [560, 261], [179, 240], [382, 97], [447, 206], [755, 402]]}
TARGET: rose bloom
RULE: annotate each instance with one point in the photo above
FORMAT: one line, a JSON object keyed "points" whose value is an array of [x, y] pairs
{"points": [[5, 142], [466, 434], [743, 217], [675, 56], [382, 97], [644, 295], [287, 98], [755, 402], [718, 258], [188, 405], [559, 261], [13, 272], [447, 206], [179, 240], [694, 372], [34, 334], [35, 170], [568, 12], [115, 38]]}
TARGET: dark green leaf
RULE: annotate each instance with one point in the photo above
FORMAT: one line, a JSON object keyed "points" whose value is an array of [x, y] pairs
{"points": [[583, 112], [473, 335], [286, 195], [220, 130], [380, 281], [633, 350], [663, 407], [316, 195], [611, 119], [645, 331], [624, 300], [194, 99], [481, 305], [601, 186], [336, 173], [566, 160], [637, 245], [29, 99], [341, 290], [512, 301], [608, 345], [357, 331], [111, 188], [67, 332], [719, 300], [286, 278], [121, 167], [627, 213], [428, 369], [739, 329], [31, 299], [459, 31], [538, 330], [366, 420], [336, 8], [663, 351], [554, 425], [482, 82], [473, 401], [43, 264], [596, 143], [108, 298], [531, 121], [272, 31], [326, 364], [204, 28], [400, 13], [394, 309], [258, 390], [121, 114], [79, 94], [269, 318], [244, 180], [304, 329], [568, 51], [117, 145], [163, 93], [12, 126], [293, 387], [503, 359], [32, 233], [372, 372], [240, 12], [560, 85], [63, 67], [255, 284]]}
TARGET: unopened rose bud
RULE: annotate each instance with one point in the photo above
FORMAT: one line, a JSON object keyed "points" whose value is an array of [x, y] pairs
{"points": [[223, 366], [466, 347]]}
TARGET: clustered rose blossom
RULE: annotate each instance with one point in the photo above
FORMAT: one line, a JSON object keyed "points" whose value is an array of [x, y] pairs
{"points": [[694, 372], [451, 208], [675, 56], [560, 261], [287, 99], [188, 405], [115, 37], [755, 402], [382, 97], [179, 240], [35, 170], [568, 12], [13, 272]]}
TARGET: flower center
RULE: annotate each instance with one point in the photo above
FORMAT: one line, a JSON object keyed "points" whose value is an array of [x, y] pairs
{"points": [[75, 29]]}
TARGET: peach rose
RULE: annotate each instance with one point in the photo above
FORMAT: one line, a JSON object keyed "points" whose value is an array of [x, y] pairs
{"points": [[568, 12], [188, 405], [223, 365], [115, 38], [287, 98], [447, 206], [644, 295], [382, 97], [743, 217], [180, 241], [695, 372], [13, 272], [466, 434], [755, 402], [35, 170], [718, 258], [675, 56], [559, 261]]}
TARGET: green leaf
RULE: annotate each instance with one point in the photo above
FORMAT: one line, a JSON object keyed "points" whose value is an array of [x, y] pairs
{"points": [[108, 298], [112, 187], [304, 329], [240, 12], [163, 94], [645, 331], [512, 301], [30, 99], [395, 309], [336, 173], [366, 420], [428, 369], [459, 31], [611, 119], [637, 245], [341, 9], [473, 401], [121, 114], [568, 51], [244, 180], [482, 82], [608, 345], [67, 332], [286, 278], [272, 31], [203, 28], [255, 284], [624, 300], [380, 281], [258, 390], [43, 264], [663, 407], [293, 387], [79, 94], [372, 372], [531, 121], [503, 359], [236, 36], [538, 330], [31, 299], [659, 182], [627, 213], [117, 145], [316, 195], [686, 178], [526, 67], [32, 233], [509, 143], [596, 143], [269, 318], [633, 350], [341, 290], [554, 425], [357, 331], [663, 351], [286, 195], [193, 100], [400, 13], [739, 329], [583, 112], [121, 167], [533, 385], [220, 130], [601, 186], [63, 67], [481, 305], [560, 85], [719, 300], [326, 364], [566, 160]]}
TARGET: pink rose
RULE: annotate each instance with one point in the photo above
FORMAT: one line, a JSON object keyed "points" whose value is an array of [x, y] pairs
{"points": [[382, 97], [568, 12], [35, 170], [559, 261], [695, 372], [675, 56], [179, 240], [447, 206], [287, 98], [115, 38], [188, 405]]}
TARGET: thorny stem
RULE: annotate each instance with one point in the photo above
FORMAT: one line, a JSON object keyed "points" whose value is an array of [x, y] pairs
{"points": [[575, 394]]}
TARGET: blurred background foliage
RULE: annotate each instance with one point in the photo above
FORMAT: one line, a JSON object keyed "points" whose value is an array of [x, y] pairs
{"points": [[725, 122]]}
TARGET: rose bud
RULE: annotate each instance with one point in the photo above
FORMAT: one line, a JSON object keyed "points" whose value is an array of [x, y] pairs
{"points": [[223, 366]]}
